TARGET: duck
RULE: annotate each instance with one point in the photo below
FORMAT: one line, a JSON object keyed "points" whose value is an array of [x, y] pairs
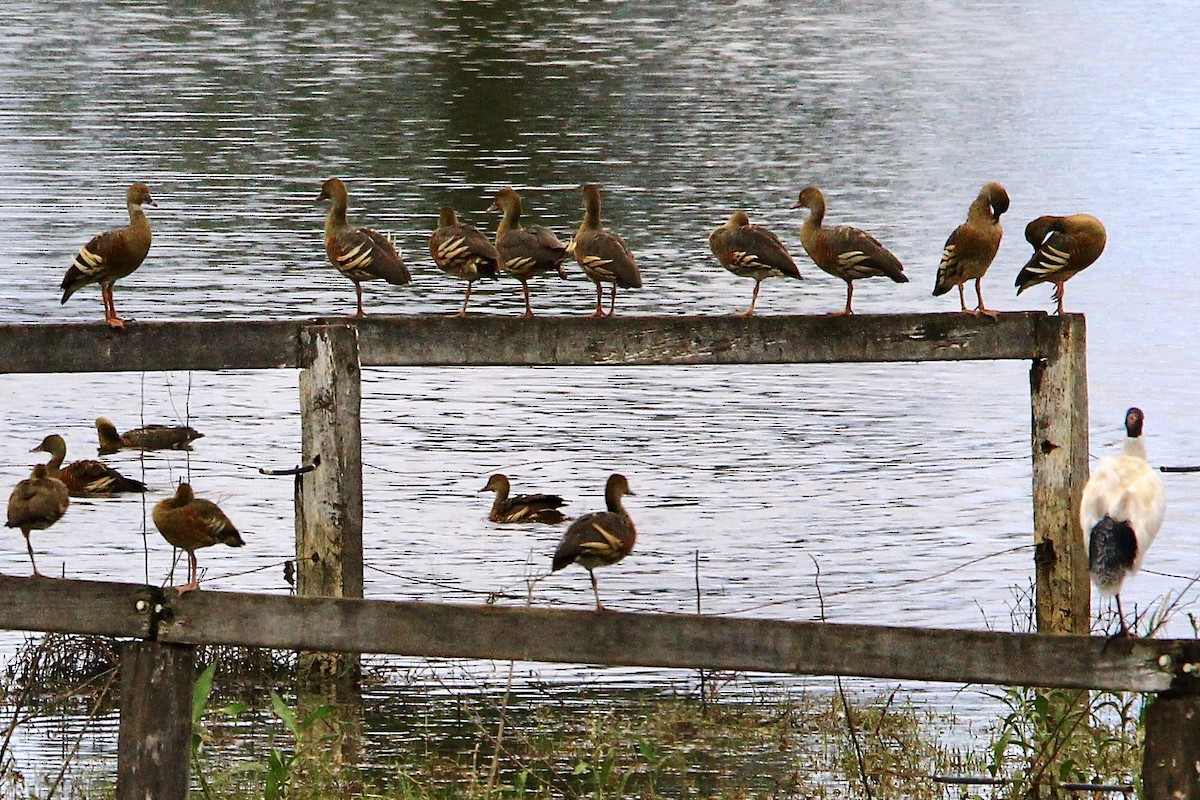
{"points": [[84, 478], [972, 247], [1062, 248], [35, 504], [522, 507], [844, 252], [751, 251], [148, 437], [189, 523], [112, 255], [463, 252], [1121, 512], [600, 538], [602, 254], [360, 254], [526, 251]]}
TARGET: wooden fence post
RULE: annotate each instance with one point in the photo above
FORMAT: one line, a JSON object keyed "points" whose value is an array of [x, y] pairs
{"points": [[154, 744], [1058, 389], [1171, 763]]}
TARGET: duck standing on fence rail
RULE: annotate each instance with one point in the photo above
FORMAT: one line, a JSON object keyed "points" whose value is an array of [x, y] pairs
{"points": [[463, 252], [751, 251], [1062, 248], [525, 251], [602, 254], [1121, 512], [972, 247], [148, 437], [844, 252], [86, 478], [360, 254], [522, 507], [35, 504], [112, 255], [189, 523], [600, 538]]}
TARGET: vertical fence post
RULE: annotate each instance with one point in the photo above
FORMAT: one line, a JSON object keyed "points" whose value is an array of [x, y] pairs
{"points": [[1058, 389], [329, 549], [154, 743], [1171, 763]]}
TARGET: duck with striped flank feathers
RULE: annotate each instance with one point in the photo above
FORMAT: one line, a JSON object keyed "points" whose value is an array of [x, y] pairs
{"points": [[35, 504], [600, 538], [602, 254], [112, 255], [189, 523], [972, 247], [148, 437], [1062, 248], [844, 252], [85, 478], [522, 507], [751, 251], [463, 252], [526, 251], [360, 254], [1121, 512]]}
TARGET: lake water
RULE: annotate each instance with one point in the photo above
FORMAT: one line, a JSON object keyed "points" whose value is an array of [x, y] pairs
{"points": [[908, 485]]}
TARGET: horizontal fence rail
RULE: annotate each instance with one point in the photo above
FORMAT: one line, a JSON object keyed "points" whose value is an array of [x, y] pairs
{"points": [[588, 637], [514, 341]]}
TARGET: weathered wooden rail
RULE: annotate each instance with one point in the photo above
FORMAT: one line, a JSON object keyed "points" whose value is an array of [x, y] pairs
{"points": [[331, 617]]}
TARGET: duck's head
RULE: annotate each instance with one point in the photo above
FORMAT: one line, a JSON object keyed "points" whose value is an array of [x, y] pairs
{"points": [[52, 444], [184, 493], [447, 217], [496, 483], [139, 195], [617, 486], [506, 199], [997, 198], [333, 189], [810, 198], [738, 219], [1134, 419]]}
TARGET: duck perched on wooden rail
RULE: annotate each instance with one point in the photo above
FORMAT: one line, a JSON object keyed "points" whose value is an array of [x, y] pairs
{"points": [[190, 523], [361, 254], [86, 478], [463, 252], [751, 251], [112, 255], [149, 437], [600, 538], [1062, 248], [1121, 512], [602, 254], [35, 504], [526, 251], [844, 252], [972, 247], [522, 507]]}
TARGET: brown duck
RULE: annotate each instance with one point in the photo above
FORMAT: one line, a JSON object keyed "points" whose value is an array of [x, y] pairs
{"points": [[602, 254], [972, 247], [844, 252], [462, 251], [601, 538], [112, 255], [1062, 248], [522, 507], [149, 437], [189, 523], [84, 478], [525, 251], [35, 504], [751, 251], [360, 254]]}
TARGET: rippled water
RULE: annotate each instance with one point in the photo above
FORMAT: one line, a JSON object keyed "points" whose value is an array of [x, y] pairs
{"points": [[747, 479]]}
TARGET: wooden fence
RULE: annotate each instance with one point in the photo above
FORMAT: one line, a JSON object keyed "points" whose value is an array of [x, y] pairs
{"points": [[330, 615]]}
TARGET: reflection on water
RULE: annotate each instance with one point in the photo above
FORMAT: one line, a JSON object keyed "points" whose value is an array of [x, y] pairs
{"points": [[748, 480]]}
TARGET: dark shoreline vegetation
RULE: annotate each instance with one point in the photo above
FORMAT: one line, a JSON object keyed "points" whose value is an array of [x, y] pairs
{"points": [[422, 735]]}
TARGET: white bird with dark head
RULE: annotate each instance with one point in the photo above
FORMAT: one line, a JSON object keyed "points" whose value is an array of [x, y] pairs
{"points": [[1121, 512]]}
